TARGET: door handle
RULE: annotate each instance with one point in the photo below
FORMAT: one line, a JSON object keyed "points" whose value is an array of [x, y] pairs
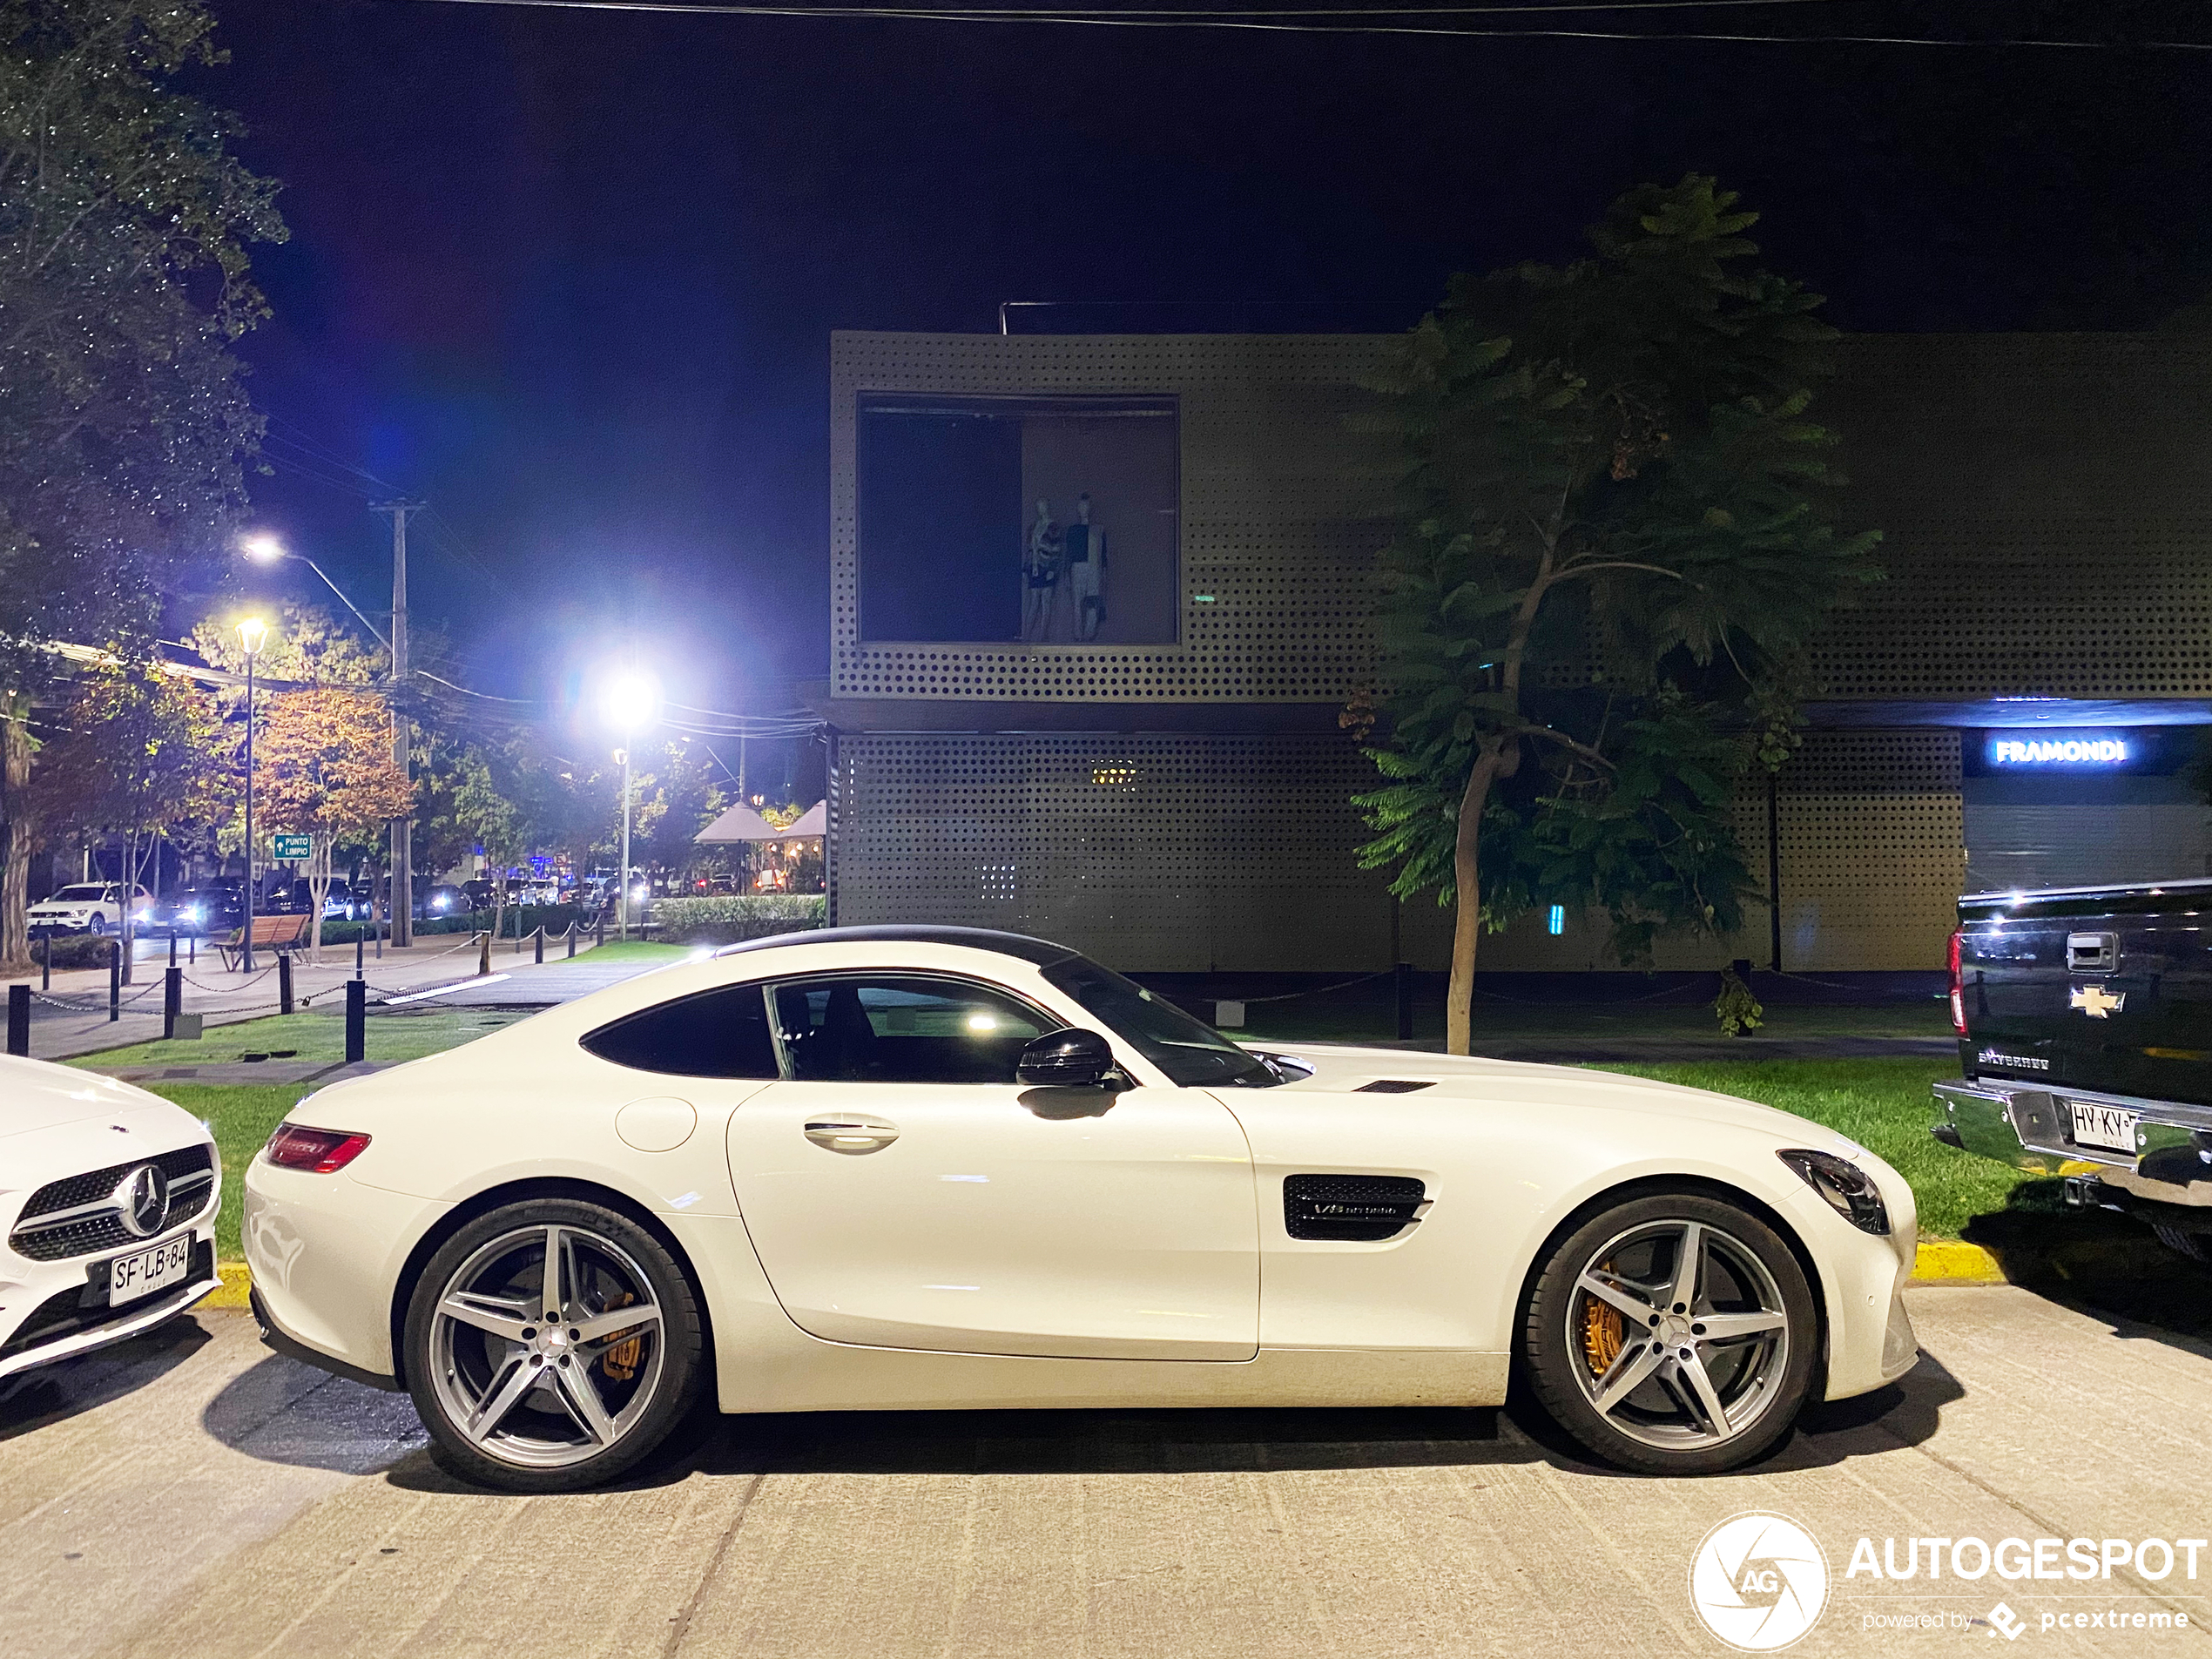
{"points": [[852, 1134]]}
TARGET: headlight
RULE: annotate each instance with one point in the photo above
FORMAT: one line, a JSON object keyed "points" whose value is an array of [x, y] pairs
{"points": [[1851, 1191]]}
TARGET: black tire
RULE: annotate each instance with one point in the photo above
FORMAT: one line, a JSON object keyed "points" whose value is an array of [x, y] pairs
{"points": [[450, 1361], [97, 927], [1582, 1349]]}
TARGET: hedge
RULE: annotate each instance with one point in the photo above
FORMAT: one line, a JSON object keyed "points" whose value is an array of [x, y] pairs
{"points": [[725, 919]]}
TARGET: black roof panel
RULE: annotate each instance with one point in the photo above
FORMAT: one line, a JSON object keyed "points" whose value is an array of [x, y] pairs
{"points": [[1042, 952]]}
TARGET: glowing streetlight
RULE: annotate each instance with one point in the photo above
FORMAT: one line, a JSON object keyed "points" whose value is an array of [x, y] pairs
{"points": [[629, 701], [264, 549], [252, 633]]}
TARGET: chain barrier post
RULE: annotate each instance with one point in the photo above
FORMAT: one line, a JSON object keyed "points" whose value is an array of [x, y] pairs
{"points": [[483, 953], [358, 938], [114, 982], [46, 962], [603, 927], [172, 947], [1405, 976], [540, 937], [571, 935], [19, 1020], [284, 982], [173, 1000], [192, 950], [356, 1019]]}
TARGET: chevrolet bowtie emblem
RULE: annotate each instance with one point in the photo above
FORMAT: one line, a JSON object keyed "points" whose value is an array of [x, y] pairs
{"points": [[2096, 1002]]}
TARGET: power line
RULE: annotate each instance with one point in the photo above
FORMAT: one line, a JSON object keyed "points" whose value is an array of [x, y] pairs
{"points": [[1294, 22]]}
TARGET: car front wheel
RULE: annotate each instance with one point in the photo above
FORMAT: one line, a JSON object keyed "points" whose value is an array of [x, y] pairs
{"points": [[550, 1344], [1673, 1334]]}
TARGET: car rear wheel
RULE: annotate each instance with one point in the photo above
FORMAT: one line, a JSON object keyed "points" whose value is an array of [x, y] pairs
{"points": [[1673, 1334], [550, 1344], [98, 928]]}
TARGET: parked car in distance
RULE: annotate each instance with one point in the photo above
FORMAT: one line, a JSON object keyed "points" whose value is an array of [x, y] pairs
{"points": [[86, 907], [442, 900], [751, 1202], [2081, 1014], [211, 906], [108, 1216]]}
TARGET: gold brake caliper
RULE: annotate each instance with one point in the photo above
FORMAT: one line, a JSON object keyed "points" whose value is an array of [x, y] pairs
{"points": [[620, 1360], [1602, 1330]]}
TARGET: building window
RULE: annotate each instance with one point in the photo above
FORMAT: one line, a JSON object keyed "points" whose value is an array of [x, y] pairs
{"points": [[1045, 519]]}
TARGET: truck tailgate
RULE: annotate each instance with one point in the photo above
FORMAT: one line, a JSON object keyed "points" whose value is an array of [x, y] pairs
{"points": [[2108, 990]]}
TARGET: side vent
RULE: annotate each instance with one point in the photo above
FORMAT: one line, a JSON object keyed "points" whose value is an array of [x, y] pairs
{"points": [[1390, 1086], [1360, 1209]]}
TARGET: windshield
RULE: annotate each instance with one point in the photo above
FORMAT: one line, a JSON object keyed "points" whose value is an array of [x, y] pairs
{"points": [[1192, 1052], [80, 895]]}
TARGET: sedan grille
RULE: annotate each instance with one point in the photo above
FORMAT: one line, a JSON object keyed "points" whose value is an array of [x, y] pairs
{"points": [[190, 1172]]}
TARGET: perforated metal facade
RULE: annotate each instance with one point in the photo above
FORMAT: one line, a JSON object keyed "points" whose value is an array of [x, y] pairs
{"points": [[1165, 853], [2046, 505], [1281, 511], [2047, 522]]}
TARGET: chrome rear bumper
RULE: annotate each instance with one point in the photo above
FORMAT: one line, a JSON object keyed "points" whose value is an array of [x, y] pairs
{"points": [[2026, 1125]]}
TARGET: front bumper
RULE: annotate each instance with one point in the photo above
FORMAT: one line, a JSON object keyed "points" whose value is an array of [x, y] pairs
{"points": [[66, 1311], [2027, 1126]]}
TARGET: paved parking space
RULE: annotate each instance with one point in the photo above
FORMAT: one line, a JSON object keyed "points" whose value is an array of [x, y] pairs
{"points": [[195, 1495]]}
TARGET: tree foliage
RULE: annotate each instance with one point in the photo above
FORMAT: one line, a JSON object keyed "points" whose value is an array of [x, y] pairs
{"points": [[138, 758], [125, 429], [1617, 540], [323, 767]]}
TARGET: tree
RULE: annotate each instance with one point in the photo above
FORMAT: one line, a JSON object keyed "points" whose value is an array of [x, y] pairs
{"points": [[1617, 540], [305, 644], [139, 761], [323, 767], [123, 428]]}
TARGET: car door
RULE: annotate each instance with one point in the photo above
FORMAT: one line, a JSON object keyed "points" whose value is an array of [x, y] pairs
{"points": [[904, 1191]]}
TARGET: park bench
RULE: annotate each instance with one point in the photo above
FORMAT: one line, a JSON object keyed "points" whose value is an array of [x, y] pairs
{"points": [[270, 933]]}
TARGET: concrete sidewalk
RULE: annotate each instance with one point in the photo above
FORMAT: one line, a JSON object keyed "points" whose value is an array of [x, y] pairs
{"points": [[191, 1494], [72, 1019]]}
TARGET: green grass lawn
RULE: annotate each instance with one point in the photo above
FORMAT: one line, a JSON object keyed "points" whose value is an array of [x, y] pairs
{"points": [[1886, 1107], [316, 1034], [634, 950], [242, 1118]]}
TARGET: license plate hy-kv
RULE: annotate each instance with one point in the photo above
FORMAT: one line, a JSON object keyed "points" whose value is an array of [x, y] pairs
{"points": [[2106, 1127], [167, 1263]]}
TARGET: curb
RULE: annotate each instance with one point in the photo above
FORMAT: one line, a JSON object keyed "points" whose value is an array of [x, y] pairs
{"points": [[238, 1280], [1948, 1262]]}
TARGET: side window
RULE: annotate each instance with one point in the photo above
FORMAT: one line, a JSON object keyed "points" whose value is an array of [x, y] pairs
{"points": [[713, 1034], [898, 1028]]}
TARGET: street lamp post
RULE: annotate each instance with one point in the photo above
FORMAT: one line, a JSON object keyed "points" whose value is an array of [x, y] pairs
{"points": [[631, 700], [626, 739], [251, 633]]}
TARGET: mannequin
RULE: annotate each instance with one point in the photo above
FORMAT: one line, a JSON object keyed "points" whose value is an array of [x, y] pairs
{"points": [[1084, 545], [1040, 573]]}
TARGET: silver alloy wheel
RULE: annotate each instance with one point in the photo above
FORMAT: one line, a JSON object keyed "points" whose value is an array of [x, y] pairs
{"points": [[1679, 1334], [546, 1346]]}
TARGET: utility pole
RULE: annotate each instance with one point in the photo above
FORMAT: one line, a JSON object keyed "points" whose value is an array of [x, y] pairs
{"points": [[403, 828]]}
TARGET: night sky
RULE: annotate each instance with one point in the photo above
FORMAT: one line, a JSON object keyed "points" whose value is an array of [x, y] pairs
{"points": [[570, 276]]}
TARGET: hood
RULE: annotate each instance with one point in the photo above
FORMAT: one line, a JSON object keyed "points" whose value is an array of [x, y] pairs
{"points": [[36, 1094], [1341, 1068]]}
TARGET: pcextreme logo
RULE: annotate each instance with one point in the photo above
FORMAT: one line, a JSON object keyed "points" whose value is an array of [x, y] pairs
{"points": [[1759, 1582]]}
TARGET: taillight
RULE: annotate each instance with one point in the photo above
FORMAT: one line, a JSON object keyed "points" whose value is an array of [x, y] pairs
{"points": [[319, 1151], [1957, 987]]}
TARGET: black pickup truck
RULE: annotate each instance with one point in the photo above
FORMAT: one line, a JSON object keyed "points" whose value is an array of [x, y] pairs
{"points": [[2084, 1017]]}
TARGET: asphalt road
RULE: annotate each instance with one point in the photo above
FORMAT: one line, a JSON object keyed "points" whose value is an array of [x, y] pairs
{"points": [[190, 1494]]}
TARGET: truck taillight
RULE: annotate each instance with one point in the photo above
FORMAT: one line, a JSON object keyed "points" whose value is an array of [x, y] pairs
{"points": [[1957, 987]]}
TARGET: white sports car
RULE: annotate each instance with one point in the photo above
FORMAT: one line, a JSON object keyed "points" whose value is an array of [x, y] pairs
{"points": [[893, 1168], [108, 1197]]}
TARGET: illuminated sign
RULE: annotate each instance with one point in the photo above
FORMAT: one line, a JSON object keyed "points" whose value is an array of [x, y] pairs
{"points": [[2086, 749]]}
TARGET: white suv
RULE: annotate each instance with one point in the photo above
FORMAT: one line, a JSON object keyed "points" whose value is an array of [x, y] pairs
{"points": [[87, 908]]}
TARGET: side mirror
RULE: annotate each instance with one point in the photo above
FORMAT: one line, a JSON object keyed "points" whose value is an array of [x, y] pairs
{"points": [[1072, 1058]]}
